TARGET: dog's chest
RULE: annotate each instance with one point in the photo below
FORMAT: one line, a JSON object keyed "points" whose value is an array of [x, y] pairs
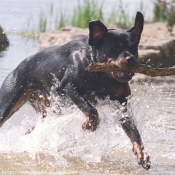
{"points": [[102, 86]]}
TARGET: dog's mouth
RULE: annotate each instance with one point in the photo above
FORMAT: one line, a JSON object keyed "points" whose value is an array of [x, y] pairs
{"points": [[122, 76]]}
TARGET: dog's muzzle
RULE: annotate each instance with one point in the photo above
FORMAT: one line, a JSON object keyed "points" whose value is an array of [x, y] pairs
{"points": [[124, 61], [122, 76]]}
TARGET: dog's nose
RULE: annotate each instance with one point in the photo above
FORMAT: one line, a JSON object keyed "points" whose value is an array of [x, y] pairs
{"points": [[130, 59]]}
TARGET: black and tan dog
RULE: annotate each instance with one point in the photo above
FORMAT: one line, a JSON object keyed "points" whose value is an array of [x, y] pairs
{"points": [[35, 76]]}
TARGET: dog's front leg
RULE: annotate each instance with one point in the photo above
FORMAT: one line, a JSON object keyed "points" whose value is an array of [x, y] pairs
{"points": [[132, 132], [89, 111]]}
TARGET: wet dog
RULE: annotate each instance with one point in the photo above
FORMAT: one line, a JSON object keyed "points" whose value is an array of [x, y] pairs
{"points": [[35, 76]]}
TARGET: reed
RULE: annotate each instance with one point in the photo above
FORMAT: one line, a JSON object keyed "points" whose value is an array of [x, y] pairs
{"points": [[82, 14], [164, 11], [85, 12], [123, 16], [42, 23], [61, 22]]}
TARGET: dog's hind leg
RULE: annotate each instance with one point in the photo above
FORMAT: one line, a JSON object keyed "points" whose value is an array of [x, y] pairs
{"points": [[13, 95], [11, 104], [39, 101]]}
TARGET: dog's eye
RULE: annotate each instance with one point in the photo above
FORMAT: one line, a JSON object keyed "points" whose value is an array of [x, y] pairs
{"points": [[132, 44], [133, 48], [117, 47]]}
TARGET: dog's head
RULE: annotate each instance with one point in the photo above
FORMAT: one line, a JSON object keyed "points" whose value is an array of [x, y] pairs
{"points": [[117, 46]]}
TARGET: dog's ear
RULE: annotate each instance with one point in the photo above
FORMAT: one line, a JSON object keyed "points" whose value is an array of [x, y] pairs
{"points": [[97, 30], [138, 26]]}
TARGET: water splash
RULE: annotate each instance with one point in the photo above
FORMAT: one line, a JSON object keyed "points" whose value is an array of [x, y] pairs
{"points": [[60, 138], [63, 132]]}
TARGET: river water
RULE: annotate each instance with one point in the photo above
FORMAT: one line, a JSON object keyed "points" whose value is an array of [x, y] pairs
{"points": [[58, 145]]}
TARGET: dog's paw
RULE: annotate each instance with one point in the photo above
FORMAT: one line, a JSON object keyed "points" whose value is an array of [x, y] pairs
{"points": [[90, 125], [144, 160], [142, 157]]}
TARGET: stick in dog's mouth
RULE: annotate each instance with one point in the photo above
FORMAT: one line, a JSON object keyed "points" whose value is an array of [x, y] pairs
{"points": [[114, 69], [141, 68]]}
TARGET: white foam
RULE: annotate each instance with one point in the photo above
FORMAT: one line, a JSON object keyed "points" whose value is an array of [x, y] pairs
{"points": [[62, 135]]}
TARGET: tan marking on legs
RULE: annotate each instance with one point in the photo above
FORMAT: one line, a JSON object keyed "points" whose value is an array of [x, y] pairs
{"points": [[24, 97], [92, 120], [39, 100]]}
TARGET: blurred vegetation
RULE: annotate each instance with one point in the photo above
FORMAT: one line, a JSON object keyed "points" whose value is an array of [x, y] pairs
{"points": [[86, 10], [83, 13], [42, 23], [164, 11]]}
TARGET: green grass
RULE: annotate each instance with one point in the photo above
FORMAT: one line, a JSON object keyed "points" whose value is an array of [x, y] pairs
{"points": [[61, 23], [165, 12], [42, 23], [91, 9], [83, 13], [26, 34], [86, 12], [123, 16]]}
